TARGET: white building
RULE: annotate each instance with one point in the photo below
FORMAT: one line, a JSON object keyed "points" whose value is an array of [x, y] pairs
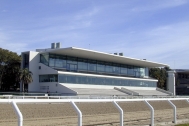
{"points": [[73, 71]]}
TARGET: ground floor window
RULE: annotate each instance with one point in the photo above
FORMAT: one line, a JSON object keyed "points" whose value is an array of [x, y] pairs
{"points": [[48, 78], [77, 79]]}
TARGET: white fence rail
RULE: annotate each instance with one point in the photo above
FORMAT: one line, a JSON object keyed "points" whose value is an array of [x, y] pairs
{"points": [[88, 97], [73, 101]]}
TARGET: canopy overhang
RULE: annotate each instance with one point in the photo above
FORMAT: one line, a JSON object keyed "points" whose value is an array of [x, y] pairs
{"points": [[90, 54]]}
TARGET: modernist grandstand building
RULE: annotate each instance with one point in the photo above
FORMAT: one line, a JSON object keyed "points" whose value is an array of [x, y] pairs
{"points": [[76, 71]]}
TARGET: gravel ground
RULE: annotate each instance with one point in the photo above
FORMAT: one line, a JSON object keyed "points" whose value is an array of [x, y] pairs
{"points": [[94, 114]]}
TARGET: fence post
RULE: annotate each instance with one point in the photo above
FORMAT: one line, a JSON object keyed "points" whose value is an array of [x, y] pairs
{"points": [[187, 100], [78, 113], [174, 112], [19, 114], [152, 112], [120, 111]]}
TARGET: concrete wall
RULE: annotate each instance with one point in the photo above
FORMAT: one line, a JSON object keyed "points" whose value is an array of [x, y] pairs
{"points": [[171, 82], [69, 85], [55, 87], [46, 70], [34, 68]]}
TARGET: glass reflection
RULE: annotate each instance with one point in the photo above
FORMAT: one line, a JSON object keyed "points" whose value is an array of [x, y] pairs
{"points": [[76, 79], [87, 65]]}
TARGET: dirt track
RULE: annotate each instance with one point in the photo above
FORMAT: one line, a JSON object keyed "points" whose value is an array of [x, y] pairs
{"points": [[62, 114]]}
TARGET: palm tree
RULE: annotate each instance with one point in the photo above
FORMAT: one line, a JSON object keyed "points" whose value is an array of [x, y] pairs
{"points": [[25, 77]]}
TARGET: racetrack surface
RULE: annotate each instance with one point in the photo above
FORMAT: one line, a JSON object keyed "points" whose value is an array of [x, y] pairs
{"points": [[94, 114]]}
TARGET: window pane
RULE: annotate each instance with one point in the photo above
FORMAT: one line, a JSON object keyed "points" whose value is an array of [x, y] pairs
{"points": [[62, 78], [92, 65], [44, 58], [51, 62], [116, 69], [48, 78], [123, 69], [71, 79], [100, 67], [71, 60], [130, 70], [109, 68], [82, 80], [60, 61], [82, 64]]}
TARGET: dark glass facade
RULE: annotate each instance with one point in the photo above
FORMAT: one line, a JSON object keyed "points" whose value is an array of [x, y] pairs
{"points": [[76, 64], [78, 79], [25, 61], [48, 78], [82, 65]]}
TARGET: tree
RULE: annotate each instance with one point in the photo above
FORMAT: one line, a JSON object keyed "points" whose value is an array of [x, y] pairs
{"points": [[161, 75], [25, 77], [9, 67]]}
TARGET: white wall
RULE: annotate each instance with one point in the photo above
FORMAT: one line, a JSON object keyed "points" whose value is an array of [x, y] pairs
{"points": [[171, 82], [105, 86], [54, 87], [46, 70], [34, 68]]}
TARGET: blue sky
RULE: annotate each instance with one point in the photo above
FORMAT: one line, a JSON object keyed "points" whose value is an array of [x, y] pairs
{"points": [[156, 30]]}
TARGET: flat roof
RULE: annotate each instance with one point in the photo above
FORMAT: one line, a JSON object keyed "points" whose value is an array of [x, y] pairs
{"points": [[181, 70], [91, 54]]}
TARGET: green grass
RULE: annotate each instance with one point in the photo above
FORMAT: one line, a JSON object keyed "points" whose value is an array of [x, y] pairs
{"points": [[183, 125]]}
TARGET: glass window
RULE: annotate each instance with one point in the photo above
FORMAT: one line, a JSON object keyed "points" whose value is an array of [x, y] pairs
{"points": [[92, 80], [52, 58], [71, 60], [71, 79], [82, 80], [142, 72], [130, 70], [96, 80], [146, 72], [82, 64], [62, 78], [100, 66], [100, 81], [44, 58], [48, 78], [125, 82], [71, 64], [116, 69], [109, 68], [60, 61], [92, 65], [71, 67], [123, 69]]}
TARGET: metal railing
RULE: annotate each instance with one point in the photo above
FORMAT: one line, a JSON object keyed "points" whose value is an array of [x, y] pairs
{"points": [[73, 101]]}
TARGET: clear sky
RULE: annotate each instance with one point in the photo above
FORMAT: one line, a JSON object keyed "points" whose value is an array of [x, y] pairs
{"points": [[156, 30]]}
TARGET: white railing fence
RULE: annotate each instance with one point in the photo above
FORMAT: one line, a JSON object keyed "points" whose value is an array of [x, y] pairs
{"points": [[79, 113], [89, 97]]}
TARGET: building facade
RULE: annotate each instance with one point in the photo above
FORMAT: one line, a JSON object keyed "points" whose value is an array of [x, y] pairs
{"points": [[59, 70], [182, 81]]}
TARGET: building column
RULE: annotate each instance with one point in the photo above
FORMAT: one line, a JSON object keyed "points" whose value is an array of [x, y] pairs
{"points": [[171, 82]]}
